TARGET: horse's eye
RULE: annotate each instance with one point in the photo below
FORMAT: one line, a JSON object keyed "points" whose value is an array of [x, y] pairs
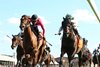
{"points": [[68, 25], [12, 39], [22, 26]]}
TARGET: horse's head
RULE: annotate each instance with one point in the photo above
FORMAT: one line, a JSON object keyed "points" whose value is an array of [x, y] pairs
{"points": [[16, 40], [25, 21], [67, 26]]}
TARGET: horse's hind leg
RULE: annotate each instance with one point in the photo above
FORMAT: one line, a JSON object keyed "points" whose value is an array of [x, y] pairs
{"points": [[53, 61]]}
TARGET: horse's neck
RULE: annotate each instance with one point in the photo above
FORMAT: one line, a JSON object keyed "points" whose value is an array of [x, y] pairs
{"points": [[20, 43], [72, 33], [30, 38], [29, 33]]}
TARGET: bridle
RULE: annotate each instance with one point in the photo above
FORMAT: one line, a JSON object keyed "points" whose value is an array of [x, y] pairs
{"points": [[25, 22], [68, 29], [16, 40]]}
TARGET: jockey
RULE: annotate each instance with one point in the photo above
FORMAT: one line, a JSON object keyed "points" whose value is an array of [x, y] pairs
{"points": [[36, 21], [95, 52], [98, 48], [70, 19], [74, 24]]}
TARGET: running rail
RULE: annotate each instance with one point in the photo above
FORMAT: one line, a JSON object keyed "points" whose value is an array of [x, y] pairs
{"points": [[94, 9]]}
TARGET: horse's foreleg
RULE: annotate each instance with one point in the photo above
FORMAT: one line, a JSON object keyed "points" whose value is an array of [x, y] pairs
{"points": [[70, 60], [40, 48], [47, 65], [53, 61], [61, 55], [80, 59], [41, 53], [40, 44]]}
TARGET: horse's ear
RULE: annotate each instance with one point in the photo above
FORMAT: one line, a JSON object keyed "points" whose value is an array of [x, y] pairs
{"points": [[23, 17], [63, 18], [12, 35]]}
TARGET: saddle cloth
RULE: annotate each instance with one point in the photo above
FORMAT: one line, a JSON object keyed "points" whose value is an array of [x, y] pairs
{"points": [[80, 42]]}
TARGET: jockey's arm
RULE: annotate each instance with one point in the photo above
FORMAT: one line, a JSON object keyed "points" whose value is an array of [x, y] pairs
{"points": [[40, 23], [60, 29]]}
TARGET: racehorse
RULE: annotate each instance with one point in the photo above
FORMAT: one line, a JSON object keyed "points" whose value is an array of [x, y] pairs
{"points": [[86, 58], [17, 42], [96, 59], [30, 42], [69, 43], [86, 54], [47, 58]]}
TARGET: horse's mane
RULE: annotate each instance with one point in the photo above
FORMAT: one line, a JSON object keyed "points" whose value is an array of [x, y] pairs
{"points": [[25, 16]]}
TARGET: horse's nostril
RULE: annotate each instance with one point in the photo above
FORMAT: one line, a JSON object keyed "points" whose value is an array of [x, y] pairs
{"points": [[22, 26], [12, 47]]}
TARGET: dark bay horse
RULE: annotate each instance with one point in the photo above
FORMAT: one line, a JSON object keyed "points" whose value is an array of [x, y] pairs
{"points": [[69, 43], [17, 42], [96, 59], [30, 42]]}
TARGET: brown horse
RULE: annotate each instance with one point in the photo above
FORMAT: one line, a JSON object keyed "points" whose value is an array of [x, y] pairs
{"points": [[30, 42], [47, 58], [17, 42], [69, 43]]}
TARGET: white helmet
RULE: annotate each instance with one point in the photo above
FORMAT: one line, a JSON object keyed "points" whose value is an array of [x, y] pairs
{"points": [[74, 22]]}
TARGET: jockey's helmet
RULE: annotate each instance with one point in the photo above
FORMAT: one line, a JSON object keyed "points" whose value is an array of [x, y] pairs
{"points": [[68, 16], [34, 17]]}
